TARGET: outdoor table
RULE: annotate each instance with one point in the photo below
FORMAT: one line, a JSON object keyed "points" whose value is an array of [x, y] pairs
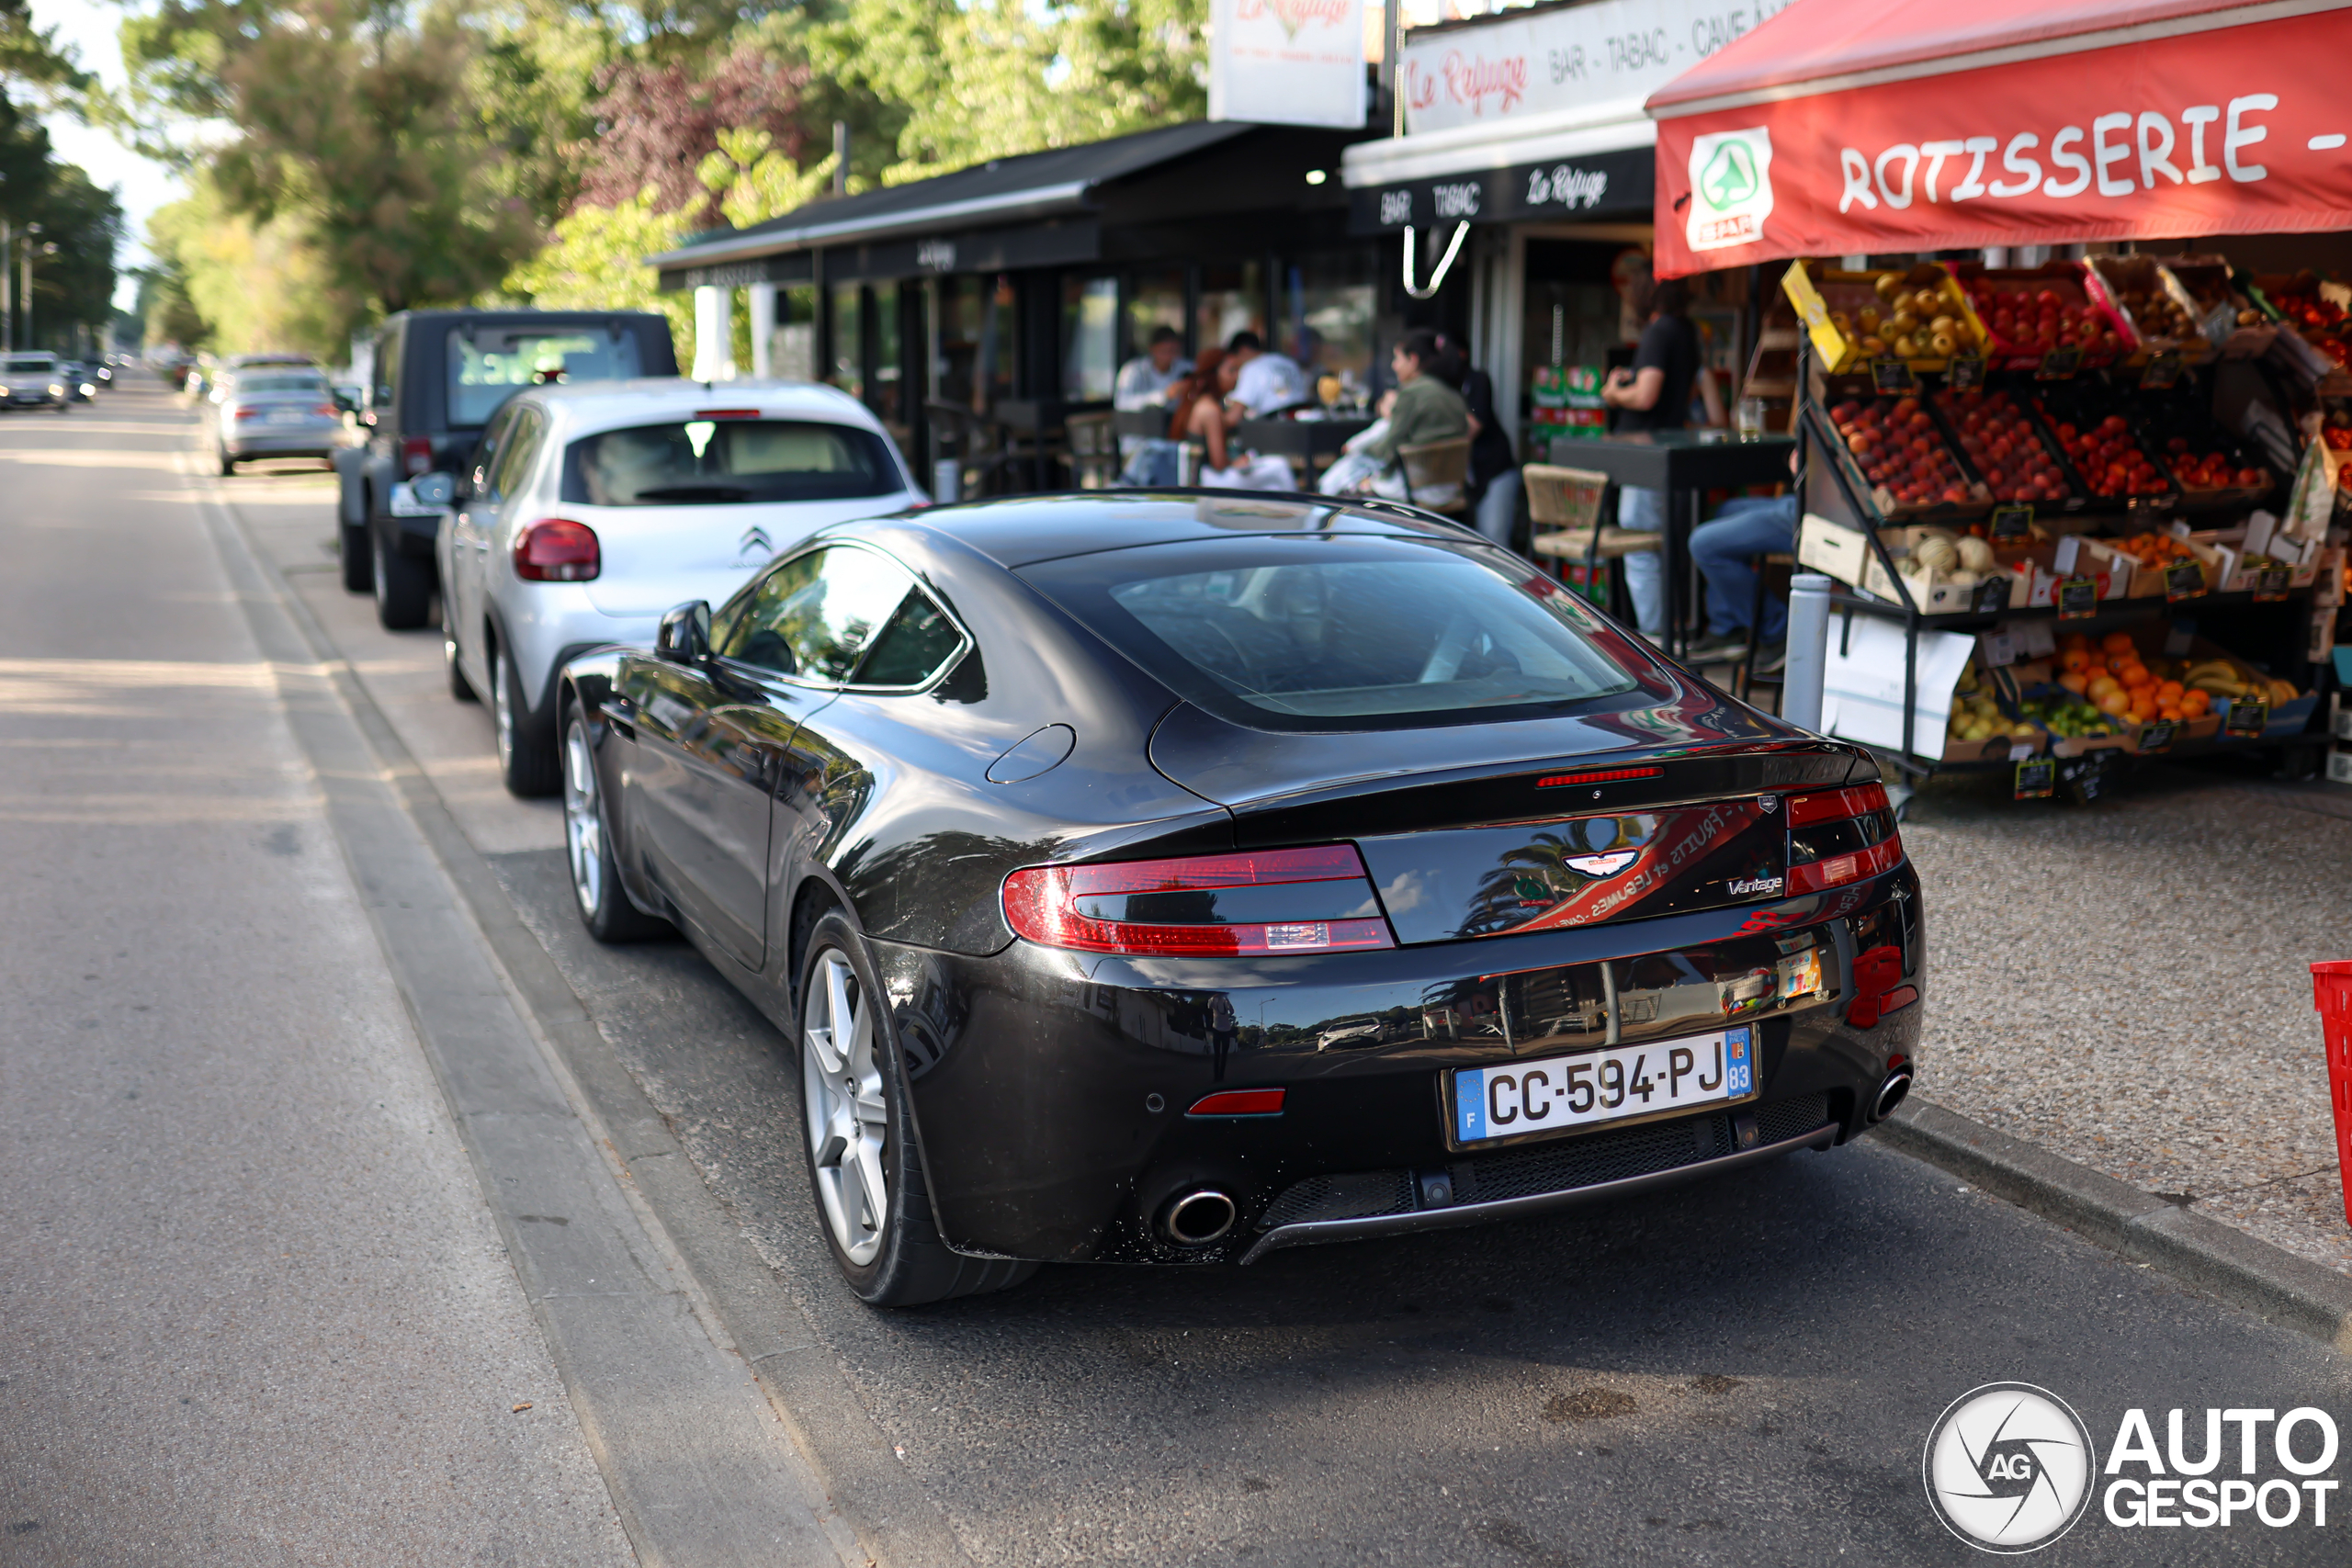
{"points": [[1150, 423], [1685, 464], [1034, 420]]}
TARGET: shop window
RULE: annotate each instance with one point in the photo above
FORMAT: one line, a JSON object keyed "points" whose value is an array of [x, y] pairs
{"points": [[1327, 304], [1232, 298], [887, 393], [975, 341], [848, 370], [1090, 337], [1155, 299]]}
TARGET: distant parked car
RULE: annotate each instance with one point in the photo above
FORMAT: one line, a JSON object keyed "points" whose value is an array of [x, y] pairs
{"points": [[274, 412], [32, 382], [81, 381], [592, 509], [440, 375]]}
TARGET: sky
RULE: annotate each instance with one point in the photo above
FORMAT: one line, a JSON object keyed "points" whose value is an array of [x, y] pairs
{"points": [[89, 27]]}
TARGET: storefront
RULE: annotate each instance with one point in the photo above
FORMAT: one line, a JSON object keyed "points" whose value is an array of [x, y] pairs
{"points": [[1017, 287], [2085, 510], [1521, 176]]}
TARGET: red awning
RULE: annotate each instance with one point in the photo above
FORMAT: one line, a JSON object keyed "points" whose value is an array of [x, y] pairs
{"points": [[1842, 126]]}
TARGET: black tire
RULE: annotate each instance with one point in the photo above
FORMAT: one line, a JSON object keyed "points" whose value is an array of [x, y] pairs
{"points": [[358, 563], [459, 687], [901, 1261], [228, 463], [529, 758], [403, 587], [596, 890]]}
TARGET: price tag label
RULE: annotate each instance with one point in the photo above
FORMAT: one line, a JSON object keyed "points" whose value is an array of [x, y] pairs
{"points": [[2270, 583], [2037, 778], [2059, 364], [2012, 521], [1993, 594], [2183, 580], [1964, 372], [2245, 718], [2157, 735], [1892, 376], [2078, 598], [2162, 370]]}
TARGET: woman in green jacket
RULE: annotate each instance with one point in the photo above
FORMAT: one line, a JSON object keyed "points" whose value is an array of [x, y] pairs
{"points": [[1420, 409]]}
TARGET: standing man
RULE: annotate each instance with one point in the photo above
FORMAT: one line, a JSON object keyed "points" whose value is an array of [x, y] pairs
{"points": [[1268, 382], [1655, 394]]}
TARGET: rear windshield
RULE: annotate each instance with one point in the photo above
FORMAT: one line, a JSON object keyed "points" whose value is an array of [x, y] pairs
{"points": [[245, 384], [715, 461], [494, 364], [24, 365], [1341, 633]]}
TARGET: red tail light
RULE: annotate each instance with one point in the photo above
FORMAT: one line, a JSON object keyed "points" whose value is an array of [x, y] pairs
{"points": [[416, 455], [1239, 1102], [248, 414], [556, 549], [1841, 836], [326, 411], [1151, 908]]}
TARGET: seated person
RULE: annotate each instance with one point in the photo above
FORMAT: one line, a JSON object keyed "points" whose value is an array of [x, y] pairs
{"points": [[1144, 381], [1747, 526], [1265, 382], [1206, 421], [1422, 409]]}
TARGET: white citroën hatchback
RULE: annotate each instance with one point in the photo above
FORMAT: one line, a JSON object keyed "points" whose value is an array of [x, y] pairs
{"points": [[589, 511]]}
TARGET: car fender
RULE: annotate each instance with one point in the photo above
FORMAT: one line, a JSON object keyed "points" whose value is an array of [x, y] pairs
{"points": [[351, 493]]}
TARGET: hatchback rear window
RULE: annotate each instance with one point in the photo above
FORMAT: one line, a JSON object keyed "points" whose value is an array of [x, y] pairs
{"points": [[244, 385], [492, 364], [700, 462], [1339, 632]]}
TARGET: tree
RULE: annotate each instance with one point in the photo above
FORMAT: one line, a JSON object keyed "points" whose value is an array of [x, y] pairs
{"points": [[241, 287], [994, 78], [355, 118], [659, 122], [594, 260]]}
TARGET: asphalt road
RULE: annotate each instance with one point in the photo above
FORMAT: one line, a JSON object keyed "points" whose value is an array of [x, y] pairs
{"points": [[1742, 1372]]}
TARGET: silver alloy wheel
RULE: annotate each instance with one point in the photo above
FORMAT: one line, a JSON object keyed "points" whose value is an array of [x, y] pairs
{"points": [[501, 702], [841, 1089], [583, 819]]}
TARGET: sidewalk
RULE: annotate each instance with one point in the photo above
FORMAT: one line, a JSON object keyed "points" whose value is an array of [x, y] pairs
{"points": [[2127, 985]]}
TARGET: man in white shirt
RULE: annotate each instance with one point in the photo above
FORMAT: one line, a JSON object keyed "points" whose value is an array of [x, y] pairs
{"points": [[1144, 380], [1268, 381]]}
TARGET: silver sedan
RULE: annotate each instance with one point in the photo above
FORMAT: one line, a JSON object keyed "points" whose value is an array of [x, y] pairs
{"points": [[274, 413]]}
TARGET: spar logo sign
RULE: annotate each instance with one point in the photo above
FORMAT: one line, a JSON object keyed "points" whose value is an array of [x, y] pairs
{"points": [[2010, 1467], [1731, 188]]}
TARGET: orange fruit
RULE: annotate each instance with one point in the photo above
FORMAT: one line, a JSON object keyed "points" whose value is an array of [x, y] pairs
{"points": [[2118, 642], [2114, 701], [2074, 681], [2100, 685], [2170, 712], [2169, 691], [2074, 659], [2077, 639], [2196, 704]]}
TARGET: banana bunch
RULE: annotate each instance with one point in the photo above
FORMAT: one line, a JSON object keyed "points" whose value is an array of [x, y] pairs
{"points": [[2219, 679]]}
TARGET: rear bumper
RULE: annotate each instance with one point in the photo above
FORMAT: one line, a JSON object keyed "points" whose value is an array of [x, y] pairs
{"points": [[282, 444], [1050, 1089], [1310, 1233]]}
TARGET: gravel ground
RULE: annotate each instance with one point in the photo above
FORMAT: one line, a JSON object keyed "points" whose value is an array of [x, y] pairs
{"points": [[2128, 983]]}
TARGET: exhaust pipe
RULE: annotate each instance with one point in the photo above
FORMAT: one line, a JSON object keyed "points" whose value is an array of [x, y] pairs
{"points": [[1197, 1218], [1890, 1094]]}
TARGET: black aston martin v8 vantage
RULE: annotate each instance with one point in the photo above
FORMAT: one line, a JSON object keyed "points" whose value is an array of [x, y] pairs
{"points": [[1171, 877]]}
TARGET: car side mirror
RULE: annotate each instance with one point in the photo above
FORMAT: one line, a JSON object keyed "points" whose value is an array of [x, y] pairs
{"points": [[685, 636], [434, 490]]}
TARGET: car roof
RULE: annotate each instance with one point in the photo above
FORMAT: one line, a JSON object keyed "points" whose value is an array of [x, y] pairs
{"points": [[1018, 531], [576, 406]]}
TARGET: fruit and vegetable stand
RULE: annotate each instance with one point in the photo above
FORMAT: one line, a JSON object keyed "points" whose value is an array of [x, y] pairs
{"points": [[2082, 509]]}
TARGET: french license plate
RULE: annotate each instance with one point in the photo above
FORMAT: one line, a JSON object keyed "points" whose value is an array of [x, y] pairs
{"points": [[286, 416], [1610, 1084]]}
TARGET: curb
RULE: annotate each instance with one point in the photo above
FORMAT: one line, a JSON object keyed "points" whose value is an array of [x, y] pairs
{"points": [[2217, 1258]]}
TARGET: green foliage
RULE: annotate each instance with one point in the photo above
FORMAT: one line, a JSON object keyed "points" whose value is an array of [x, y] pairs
{"points": [[755, 182], [996, 77], [594, 260]]}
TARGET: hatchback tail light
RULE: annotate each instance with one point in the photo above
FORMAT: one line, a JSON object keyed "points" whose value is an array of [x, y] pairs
{"points": [[556, 549], [326, 411], [416, 455], [245, 413], [1270, 902], [1841, 836]]}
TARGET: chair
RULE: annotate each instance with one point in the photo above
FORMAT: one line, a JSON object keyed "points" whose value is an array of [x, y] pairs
{"points": [[1432, 465], [1564, 510]]}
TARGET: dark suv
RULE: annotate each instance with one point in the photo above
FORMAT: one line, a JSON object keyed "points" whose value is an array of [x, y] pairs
{"points": [[439, 376]]}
